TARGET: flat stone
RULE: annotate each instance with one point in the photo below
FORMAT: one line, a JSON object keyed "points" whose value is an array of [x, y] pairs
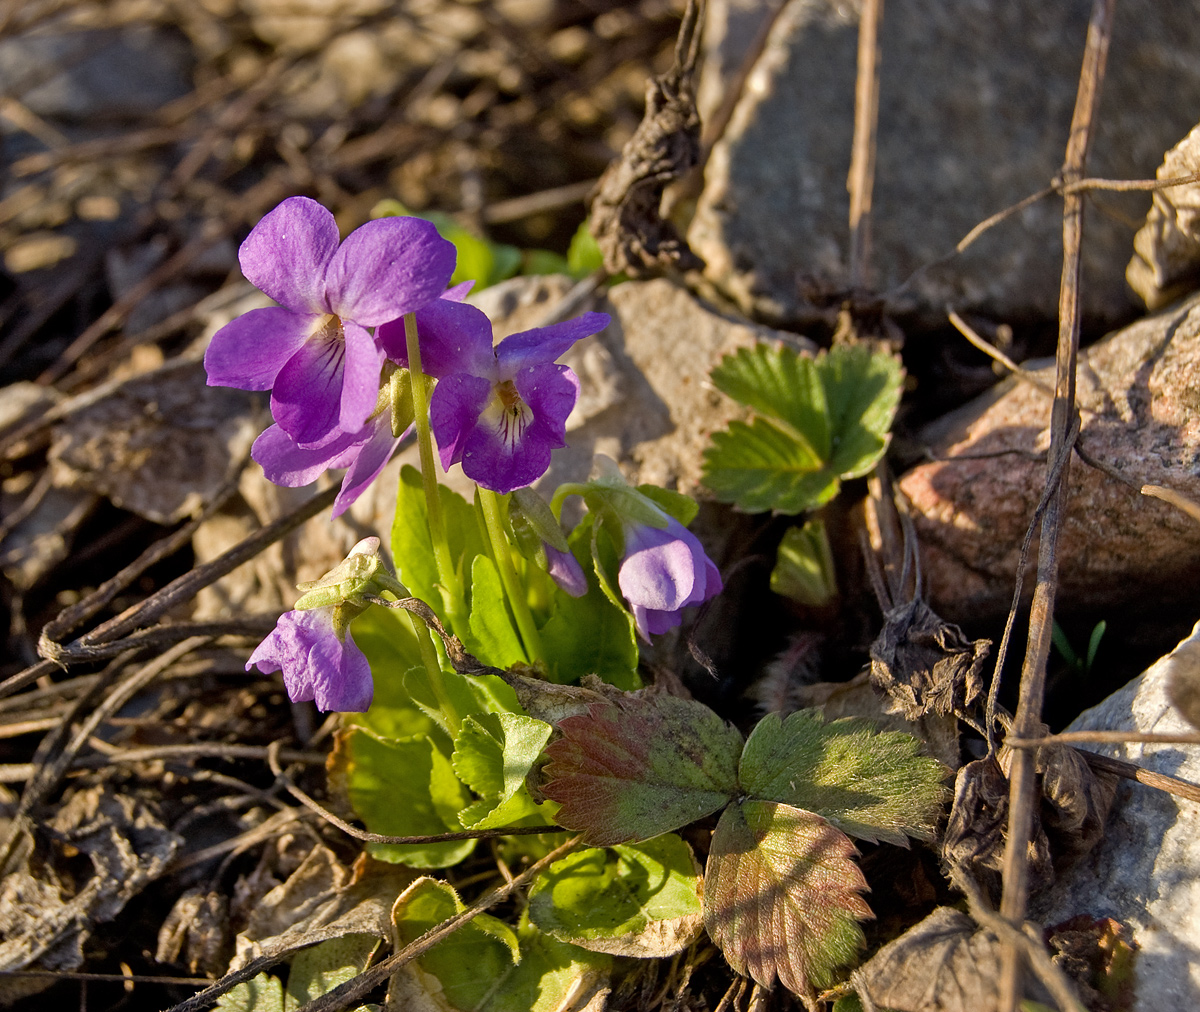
{"points": [[1146, 871], [160, 444], [96, 74], [1137, 391], [974, 110]]}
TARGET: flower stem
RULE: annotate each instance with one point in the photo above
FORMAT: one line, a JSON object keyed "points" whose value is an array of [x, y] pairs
{"points": [[517, 599], [562, 493], [451, 587]]}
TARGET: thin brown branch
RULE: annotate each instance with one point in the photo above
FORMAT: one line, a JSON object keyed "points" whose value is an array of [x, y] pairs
{"points": [[989, 349], [1127, 185], [1022, 788], [861, 179], [1176, 499]]}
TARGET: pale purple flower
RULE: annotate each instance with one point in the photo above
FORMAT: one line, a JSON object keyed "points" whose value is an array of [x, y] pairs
{"points": [[315, 352], [565, 570], [363, 453], [497, 411], [663, 571], [317, 664]]}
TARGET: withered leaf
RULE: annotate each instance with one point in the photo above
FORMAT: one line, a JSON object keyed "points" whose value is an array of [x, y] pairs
{"points": [[782, 895], [975, 832], [924, 664], [638, 766], [626, 211], [1075, 801], [198, 929], [1096, 954], [1166, 259], [942, 964]]}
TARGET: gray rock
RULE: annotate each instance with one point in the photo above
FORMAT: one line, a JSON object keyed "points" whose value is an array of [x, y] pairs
{"points": [[972, 504], [975, 105], [101, 74], [1146, 871]]}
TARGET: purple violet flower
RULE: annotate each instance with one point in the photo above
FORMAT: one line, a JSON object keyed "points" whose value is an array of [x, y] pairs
{"points": [[317, 663], [315, 352], [497, 411], [663, 571]]}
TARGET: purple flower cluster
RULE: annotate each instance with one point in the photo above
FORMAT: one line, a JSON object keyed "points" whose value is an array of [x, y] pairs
{"points": [[322, 354], [662, 572]]}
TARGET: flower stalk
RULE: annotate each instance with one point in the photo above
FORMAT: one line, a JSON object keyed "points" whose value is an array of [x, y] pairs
{"points": [[508, 575]]}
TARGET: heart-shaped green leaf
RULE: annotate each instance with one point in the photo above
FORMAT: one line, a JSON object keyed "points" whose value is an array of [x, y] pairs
{"points": [[639, 766], [782, 895], [630, 900]]}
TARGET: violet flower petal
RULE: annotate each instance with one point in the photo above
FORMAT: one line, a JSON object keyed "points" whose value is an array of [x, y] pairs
{"points": [[387, 268], [316, 665], [370, 457], [659, 568], [307, 396], [565, 570], [287, 253], [650, 622], [455, 338], [550, 391], [248, 352], [284, 463], [360, 378], [454, 411], [545, 344]]}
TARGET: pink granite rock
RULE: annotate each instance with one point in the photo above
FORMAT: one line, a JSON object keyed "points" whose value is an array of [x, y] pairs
{"points": [[1139, 396]]}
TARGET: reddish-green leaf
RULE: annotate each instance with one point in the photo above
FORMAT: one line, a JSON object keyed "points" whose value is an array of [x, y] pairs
{"points": [[639, 766], [782, 895]]}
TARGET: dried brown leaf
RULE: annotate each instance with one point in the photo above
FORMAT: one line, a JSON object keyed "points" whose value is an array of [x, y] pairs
{"points": [[46, 915], [1166, 260], [626, 211], [974, 837], [322, 899], [925, 664], [198, 929], [942, 964]]}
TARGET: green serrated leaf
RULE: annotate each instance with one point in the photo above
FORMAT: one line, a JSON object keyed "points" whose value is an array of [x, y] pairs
{"points": [[589, 634], [492, 755], [762, 467], [263, 993], [319, 969], [633, 900], [494, 638], [862, 391], [639, 766], [782, 895], [804, 566], [781, 384], [484, 966], [875, 785], [402, 787], [411, 544]]}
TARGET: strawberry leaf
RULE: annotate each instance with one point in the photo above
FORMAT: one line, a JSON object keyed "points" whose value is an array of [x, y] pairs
{"points": [[871, 784], [782, 895], [639, 766]]}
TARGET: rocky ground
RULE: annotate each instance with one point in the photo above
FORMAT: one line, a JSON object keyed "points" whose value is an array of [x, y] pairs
{"points": [[143, 138]]}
